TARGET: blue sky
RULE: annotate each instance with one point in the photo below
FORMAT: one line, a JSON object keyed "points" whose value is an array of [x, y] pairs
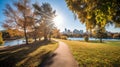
{"points": [[66, 16]]}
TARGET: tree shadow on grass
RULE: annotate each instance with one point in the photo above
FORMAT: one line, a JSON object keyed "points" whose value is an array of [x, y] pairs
{"points": [[47, 59], [10, 56]]}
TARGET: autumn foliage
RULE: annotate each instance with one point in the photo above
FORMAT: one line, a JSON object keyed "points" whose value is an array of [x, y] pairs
{"points": [[34, 20], [1, 40]]}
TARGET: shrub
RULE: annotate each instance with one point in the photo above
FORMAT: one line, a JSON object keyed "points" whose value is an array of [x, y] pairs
{"points": [[30, 40], [86, 38], [64, 37], [116, 36], [1, 40], [1, 43]]}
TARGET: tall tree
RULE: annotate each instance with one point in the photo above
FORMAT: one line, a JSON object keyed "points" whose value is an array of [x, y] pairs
{"points": [[19, 16], [95, 12], [46, 15]]}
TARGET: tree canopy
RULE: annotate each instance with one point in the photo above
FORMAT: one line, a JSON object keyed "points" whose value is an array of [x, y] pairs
{"points": [[45, 14], [96, 12], [18, 16], [35, 20]]}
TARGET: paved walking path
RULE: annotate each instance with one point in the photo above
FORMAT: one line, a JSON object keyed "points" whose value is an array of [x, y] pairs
{"points": [[62, 57]]}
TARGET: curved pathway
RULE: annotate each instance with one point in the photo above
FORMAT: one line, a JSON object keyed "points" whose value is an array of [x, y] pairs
{"points": [[62, 57]]}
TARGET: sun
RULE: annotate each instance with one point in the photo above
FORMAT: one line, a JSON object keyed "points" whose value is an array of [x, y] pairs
{"points": [[58, 20]]}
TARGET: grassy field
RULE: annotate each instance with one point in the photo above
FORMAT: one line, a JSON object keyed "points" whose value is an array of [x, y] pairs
{"points": [[26, 55], [94, 54]]}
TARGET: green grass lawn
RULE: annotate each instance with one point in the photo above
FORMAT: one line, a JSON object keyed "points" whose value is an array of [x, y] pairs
{"points": [[94, 54], [26, 55]]}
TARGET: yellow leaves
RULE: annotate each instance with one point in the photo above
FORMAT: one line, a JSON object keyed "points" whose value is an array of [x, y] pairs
{"points": [[14, 32], [0, 34], [109, 17], [74, 0], [86, 0], [89, 17], [103, 23], [1, 39], [56, 33], [117, 25], [101, 18]]}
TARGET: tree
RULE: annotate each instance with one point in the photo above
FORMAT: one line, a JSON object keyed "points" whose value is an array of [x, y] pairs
{"points": [[46, 15], [96, 12], [98, 33], [116, 35], [19, 16], [14, 33], [1, 40], [56, 33], [5, 35]]}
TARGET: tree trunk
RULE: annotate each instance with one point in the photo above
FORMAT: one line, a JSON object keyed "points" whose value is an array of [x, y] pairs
{"points": [[25, 33], [35, 36], [39, 39], [101, 40], [50, 37], [45, 35], [35, 39], [45, 38], [35, 33]]}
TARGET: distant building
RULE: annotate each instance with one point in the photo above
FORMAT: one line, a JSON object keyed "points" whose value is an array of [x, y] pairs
{"points": [[75, 31], [68, 32], [81, 31]]}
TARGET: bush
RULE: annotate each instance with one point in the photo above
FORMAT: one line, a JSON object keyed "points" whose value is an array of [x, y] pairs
{"points": [[30, 40], [1, 40], [86, 38], [1, 43], [116, 36], [64, 37]]}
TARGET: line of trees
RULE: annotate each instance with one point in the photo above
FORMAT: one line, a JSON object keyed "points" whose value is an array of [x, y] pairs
{"points": [[33, 19], [11, 34], [94, 13]]}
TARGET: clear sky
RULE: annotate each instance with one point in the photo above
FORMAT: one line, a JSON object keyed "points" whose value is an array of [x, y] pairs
{"points": [[64, 16]]}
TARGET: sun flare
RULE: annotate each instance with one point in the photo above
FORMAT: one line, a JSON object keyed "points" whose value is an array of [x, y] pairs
{"points": [[58, 20]]}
